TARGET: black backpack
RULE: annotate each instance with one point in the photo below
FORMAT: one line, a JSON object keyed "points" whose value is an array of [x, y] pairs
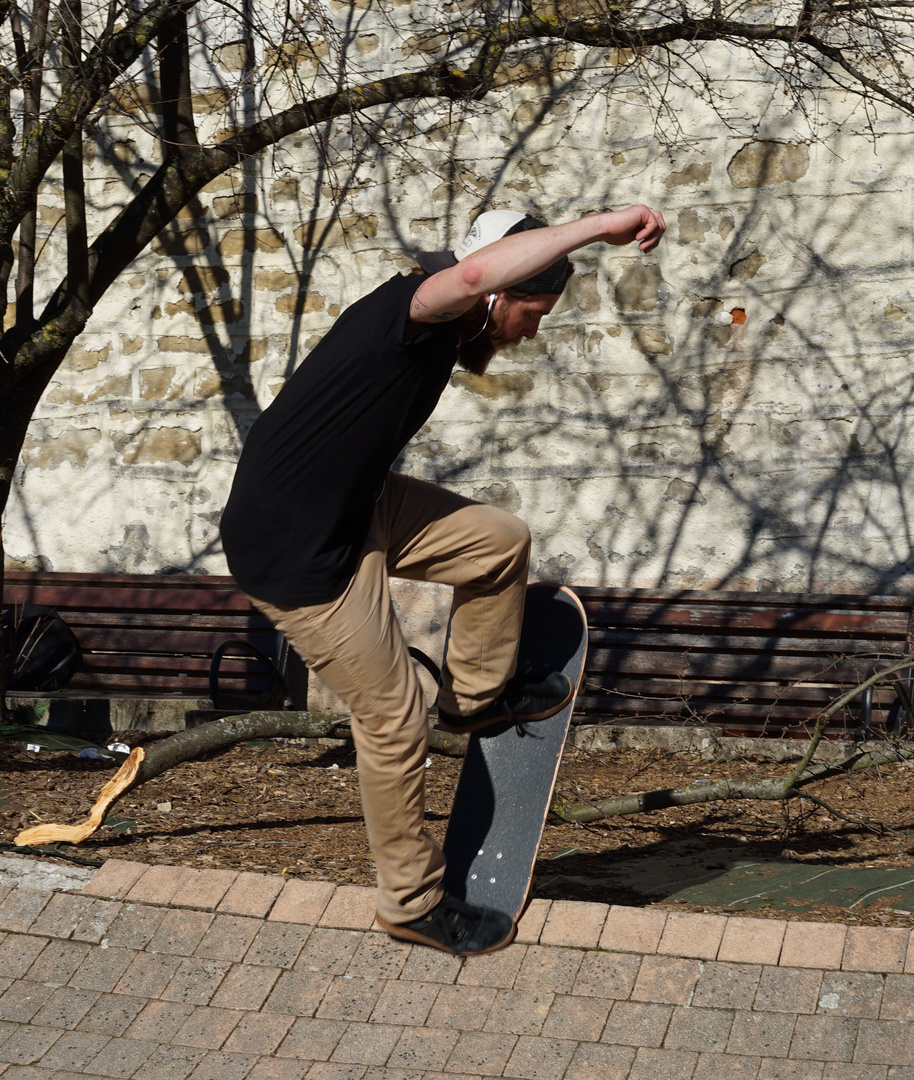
{"points": [[40, 651]]}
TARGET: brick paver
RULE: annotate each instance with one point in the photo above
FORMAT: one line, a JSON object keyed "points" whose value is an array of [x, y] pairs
{"points": [[159, 884], [115, 879], [302, 902], [351, 906], [752, 941], [251, 894], [851, 993], [154, 973], [633, 930], [204, 889], [570, 923], [692, 935], [869, 947], [534, 919], [813, 945]]}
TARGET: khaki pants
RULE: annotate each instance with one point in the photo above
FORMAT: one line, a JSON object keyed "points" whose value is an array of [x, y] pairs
{"points": [[354, 644]]}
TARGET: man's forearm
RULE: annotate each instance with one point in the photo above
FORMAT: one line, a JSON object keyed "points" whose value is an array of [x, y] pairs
{"points": [[523, 255]]}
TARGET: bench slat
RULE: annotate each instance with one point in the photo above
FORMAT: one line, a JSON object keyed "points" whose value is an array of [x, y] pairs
{"points": [[716, 641], [761, 622], [747, 722], [796, 711], [818, 694], [664, 598], [786, 712], [102, 579], [163, 600], [166, 640], [132, 622], [168, 663], [768, 667]]}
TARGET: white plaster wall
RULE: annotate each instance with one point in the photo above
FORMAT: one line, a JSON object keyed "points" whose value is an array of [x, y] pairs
{"points": [[646, 439]]}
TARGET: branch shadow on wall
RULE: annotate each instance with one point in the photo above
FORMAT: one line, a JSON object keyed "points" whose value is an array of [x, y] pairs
{"points": [[741, 430]]}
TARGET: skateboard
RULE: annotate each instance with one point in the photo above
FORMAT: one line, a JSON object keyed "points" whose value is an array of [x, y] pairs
{"points": [[505, 786]]}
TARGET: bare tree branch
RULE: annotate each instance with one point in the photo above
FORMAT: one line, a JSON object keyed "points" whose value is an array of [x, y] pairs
{"points": [[778, 789], [178, 124]]}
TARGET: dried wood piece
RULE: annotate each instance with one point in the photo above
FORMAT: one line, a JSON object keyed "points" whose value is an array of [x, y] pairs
{"points": [[73, 834]]}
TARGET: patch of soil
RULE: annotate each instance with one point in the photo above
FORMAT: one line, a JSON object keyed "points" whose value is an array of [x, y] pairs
{"points": [[293, 809]]}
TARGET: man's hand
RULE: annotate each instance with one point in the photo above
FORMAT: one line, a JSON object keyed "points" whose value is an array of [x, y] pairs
{"points": [[635, 223]]}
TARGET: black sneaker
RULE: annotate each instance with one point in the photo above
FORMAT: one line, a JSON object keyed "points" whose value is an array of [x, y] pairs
{"points": [[524, 699], [457, 927]]}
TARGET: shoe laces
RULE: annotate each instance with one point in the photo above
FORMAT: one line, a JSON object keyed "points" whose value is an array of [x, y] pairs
{"points": [[520, 727], [457, 925]]}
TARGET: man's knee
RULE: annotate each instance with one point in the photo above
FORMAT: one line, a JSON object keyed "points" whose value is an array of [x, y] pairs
{"points": [[508, 539], [520, 537]]}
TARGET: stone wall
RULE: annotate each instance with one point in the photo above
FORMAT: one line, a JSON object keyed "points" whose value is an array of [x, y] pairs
{"points": [[734, 410]]}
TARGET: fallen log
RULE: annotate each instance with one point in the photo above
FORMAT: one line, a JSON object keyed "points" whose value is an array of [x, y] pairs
{"points": [[146, 763], [722, 790], [778, 789]]}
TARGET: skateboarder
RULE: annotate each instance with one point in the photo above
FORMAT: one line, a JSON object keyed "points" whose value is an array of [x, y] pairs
{"points": [[316, 522]]}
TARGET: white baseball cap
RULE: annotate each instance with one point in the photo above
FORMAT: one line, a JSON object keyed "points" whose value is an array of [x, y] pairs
{"points": [[486, 229]]}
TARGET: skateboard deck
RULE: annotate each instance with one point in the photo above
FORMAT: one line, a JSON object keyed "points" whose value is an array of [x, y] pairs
{"points": [[509, 772]]}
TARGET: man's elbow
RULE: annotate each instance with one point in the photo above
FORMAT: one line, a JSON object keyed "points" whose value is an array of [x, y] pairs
{"points": [[471, 277]]}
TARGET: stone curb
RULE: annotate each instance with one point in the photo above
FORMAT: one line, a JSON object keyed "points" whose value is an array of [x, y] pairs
{"points": [[608, 927]]}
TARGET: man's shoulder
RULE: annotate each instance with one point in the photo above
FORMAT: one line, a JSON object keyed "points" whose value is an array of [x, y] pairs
{"points": [[401, 284], [390, 294], [388, 303]]}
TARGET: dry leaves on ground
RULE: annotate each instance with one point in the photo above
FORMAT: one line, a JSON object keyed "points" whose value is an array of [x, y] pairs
{"points": [[294, 810]]}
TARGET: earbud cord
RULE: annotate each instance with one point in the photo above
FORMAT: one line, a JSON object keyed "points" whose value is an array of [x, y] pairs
{"points": [[486, 323]]}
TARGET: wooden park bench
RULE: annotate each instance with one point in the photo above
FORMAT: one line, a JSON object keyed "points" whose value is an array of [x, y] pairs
{"points": [[145, 636], [746, 663]]}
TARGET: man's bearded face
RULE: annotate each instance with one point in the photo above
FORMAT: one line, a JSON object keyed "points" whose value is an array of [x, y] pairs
{"points": [[512, 318]]}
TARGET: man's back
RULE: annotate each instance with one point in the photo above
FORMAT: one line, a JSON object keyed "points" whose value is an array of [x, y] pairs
{"points": [[315, 461]]}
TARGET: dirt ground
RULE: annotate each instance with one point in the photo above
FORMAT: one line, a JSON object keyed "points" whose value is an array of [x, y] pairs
{"points": [[293, 809]]}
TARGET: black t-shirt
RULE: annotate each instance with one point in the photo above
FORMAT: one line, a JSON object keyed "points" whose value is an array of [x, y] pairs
{"points": [[315, 461]]}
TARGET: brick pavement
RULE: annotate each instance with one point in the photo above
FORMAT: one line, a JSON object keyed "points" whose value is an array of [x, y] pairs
{"points": [[164, 973]]}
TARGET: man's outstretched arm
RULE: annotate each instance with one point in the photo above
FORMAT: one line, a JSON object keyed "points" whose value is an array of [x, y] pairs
{"points": [[449, 293]]}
